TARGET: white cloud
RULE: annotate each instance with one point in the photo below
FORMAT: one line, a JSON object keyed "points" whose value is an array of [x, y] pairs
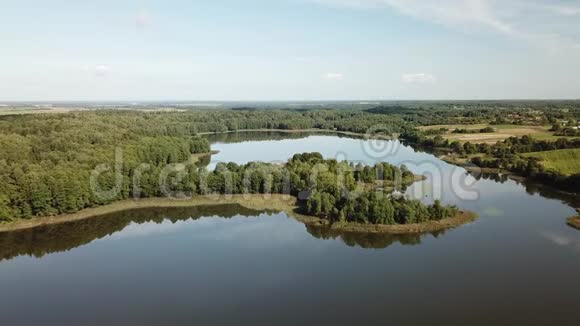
{"points": [[454, 12], [450, 12], [353, 3], [418, 78], [304, 59], [565, 10], [562, 240], [557, 239], [102, 70], [334, 76], [514, 18], [143, 19]]}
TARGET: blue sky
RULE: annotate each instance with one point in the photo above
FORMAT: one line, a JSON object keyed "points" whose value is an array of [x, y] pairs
{"points": [[289, 49]]}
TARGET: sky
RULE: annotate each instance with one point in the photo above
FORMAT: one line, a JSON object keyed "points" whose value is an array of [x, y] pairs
{"points": [[265, 50]]}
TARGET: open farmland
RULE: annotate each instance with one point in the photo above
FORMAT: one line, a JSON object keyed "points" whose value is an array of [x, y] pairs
{"points": [[501, 132], [564, 161]]}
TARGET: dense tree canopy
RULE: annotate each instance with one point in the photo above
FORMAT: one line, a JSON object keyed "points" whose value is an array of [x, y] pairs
{"points": [[47, 160], [338, 191]]}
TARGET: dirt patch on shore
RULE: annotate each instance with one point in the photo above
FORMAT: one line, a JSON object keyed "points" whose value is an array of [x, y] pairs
{"points": [[574, 222]]}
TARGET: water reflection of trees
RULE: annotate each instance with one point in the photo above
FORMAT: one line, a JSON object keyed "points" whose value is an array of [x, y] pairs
{"points": [[547, 192], [500, 178], [532, 188], [242, 136], [47, 239], [368, 240]]}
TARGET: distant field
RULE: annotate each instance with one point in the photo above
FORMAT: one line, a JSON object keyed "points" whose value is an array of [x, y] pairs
{"points": [[451, 127], [31, 110], [565, 161], [502, 132], [36, 110]]}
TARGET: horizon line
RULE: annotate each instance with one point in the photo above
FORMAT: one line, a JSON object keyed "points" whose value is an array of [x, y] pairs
{"points": [[359, 101]]}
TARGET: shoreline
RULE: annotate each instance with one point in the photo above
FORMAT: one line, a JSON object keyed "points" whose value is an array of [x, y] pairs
{"points": [[470, 167], [462, 217], [195, 157], [290, 131], [273, 202], [270, 202]]}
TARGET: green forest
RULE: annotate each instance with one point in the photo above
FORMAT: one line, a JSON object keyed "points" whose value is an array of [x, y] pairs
{"points": [[46, 160]]}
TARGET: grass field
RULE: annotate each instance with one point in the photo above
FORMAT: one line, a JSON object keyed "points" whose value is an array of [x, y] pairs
{"points": [[565, 161], [501, 132], [32, 110]]}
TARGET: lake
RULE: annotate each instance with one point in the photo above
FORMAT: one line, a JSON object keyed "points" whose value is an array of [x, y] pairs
{"points": [[518, 263]]}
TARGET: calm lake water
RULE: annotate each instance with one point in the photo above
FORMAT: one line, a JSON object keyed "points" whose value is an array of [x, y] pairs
{"points": [[519, 263]]}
